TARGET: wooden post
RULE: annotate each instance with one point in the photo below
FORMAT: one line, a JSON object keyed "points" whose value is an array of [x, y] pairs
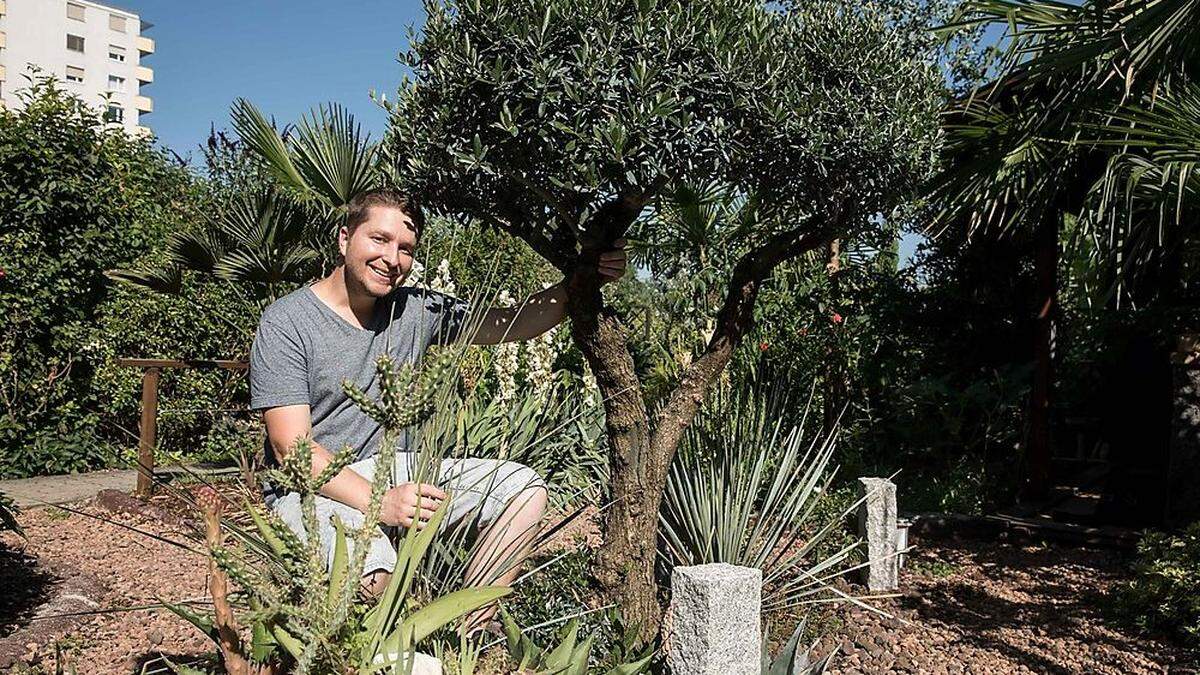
{"points": [[148, 429], [147, 432]]}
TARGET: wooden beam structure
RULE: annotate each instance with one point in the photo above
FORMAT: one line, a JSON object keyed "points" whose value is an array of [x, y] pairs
{"points": [[148, 428]]}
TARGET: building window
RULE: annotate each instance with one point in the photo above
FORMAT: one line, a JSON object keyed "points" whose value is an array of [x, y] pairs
{"points": [[74, 43], [116, 53], [116, 83], [75, 11], [74, 74], [116, 23], [114, 113]]}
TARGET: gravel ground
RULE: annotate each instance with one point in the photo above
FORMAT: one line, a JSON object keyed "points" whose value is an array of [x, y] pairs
{"points": [[981, 607], [970, 607], [122, 569]]}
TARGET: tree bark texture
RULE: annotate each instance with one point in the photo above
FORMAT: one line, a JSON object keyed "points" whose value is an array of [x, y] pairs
{"points": [[1037, 485], [641, 450]]}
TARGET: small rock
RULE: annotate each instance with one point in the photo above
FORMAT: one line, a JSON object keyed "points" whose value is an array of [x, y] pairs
{"points": [[155, 636]]}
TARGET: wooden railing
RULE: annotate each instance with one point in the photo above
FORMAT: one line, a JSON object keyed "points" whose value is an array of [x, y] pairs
{"points": [[148, 427]]}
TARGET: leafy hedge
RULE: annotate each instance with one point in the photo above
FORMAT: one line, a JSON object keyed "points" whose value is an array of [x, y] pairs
{"points": [[77, 199]]}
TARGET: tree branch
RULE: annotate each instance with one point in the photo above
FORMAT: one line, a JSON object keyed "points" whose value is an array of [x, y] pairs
{"points": [[540, 243], [612, 220], [553, 202], [734, 321]]}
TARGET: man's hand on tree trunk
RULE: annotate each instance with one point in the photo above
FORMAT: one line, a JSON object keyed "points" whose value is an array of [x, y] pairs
{"points": [[611, 264]]}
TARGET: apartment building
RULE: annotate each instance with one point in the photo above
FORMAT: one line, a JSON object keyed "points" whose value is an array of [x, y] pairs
{"points": [[95, 50]]}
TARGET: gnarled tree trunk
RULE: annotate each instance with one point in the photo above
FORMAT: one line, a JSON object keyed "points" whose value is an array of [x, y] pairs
{"points": [[640, 449]]}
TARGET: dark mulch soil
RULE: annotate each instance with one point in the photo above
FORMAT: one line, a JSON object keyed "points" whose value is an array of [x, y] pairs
{"points": [[970, 607], [983, 607]]}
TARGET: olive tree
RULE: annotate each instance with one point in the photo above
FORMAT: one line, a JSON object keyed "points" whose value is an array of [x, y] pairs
{"points": [[562, 121]]}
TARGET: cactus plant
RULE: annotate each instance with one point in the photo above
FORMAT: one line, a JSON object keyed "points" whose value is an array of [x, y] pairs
{"points": [[304, 616]]}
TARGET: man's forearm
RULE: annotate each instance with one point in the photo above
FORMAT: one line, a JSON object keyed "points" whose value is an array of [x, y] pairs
{"points": [[348, 487], [541, 312]]}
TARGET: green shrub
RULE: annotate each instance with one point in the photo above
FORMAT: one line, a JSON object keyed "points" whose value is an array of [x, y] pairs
{"points": [[76, 198], [8, 515], [1162, 596], [205, 321]]}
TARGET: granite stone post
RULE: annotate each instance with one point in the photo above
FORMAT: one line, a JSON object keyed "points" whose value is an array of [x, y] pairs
{"points": [[877, 527], [715, 620]]}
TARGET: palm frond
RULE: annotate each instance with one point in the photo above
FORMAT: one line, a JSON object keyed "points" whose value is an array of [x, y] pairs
{"points": [[335, 156], [168, 280], [327, 158], [261, 137], [1001, 173], [1090, 44]]}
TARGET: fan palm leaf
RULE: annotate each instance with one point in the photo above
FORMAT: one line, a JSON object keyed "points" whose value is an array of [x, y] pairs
{"points": [[326, 158]]}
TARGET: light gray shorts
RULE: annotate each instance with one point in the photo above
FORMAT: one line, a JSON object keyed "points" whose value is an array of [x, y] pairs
{"points": [[480, 490]]}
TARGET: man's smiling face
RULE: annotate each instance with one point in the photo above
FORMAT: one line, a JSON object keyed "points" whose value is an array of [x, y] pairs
{"points": [[378, 252]]}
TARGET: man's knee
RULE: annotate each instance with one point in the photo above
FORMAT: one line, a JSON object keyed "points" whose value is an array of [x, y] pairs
{"points": [[531, 492], [375, 583]]}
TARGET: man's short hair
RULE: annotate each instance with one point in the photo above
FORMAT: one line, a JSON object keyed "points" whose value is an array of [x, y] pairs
{"points": [[357, 210]]}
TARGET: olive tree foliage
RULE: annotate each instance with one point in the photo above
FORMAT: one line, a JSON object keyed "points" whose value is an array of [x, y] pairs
{"points": [[563, 121]]}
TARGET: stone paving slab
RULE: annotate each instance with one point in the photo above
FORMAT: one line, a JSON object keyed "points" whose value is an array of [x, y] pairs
{"points": [[32, 492]]}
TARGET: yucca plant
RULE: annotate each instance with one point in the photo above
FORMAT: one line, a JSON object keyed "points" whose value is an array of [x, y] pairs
{"points": [[553, 432], [548, 433], [302, 617], [743, 490], [570, 656]]}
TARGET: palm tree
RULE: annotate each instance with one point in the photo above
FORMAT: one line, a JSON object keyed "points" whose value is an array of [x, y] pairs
{"points": [[281, 236], [265, 242], [1088, 118]]}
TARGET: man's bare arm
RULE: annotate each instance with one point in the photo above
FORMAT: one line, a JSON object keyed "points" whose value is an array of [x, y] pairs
{"points": [[288, 423], [403, 504], [543, 310]]}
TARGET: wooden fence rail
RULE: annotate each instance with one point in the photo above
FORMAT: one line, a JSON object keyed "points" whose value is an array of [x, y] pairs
{"points": [[148, 428]]}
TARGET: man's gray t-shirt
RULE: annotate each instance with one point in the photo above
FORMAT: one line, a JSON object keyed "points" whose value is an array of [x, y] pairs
{"points": [[304, 350]]}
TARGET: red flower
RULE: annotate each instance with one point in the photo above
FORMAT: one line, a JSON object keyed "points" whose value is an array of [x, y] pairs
{"points": [[803, 330], [836, 318], [762, 346]]}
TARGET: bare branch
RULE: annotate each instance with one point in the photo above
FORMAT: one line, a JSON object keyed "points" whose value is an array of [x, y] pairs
{"points": [[734, 321]]}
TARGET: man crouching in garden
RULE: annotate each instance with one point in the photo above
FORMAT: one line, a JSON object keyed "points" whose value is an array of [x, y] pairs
{"points": [[312, 340]]}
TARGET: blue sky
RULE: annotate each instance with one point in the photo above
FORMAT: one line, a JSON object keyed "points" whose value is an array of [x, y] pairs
{"points": [[283, 56]]}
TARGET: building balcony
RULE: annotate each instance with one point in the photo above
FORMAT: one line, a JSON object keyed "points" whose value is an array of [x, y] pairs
{"points": [[3, 40], [145, 45], [144, 104], [144, 75], [3, 74], [3, 7]]}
